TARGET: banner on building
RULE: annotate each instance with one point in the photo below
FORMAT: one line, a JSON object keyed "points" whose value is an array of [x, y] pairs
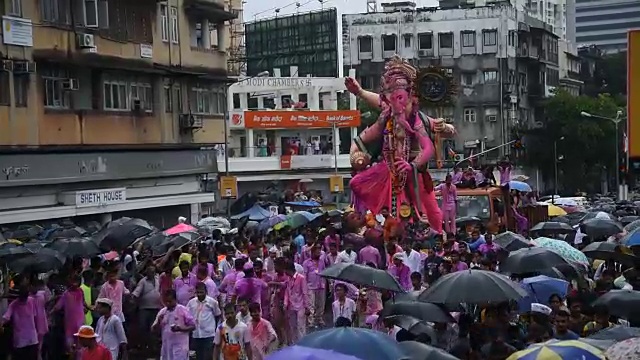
{"points": [[296, 119], [336, 184], [228, 187]]}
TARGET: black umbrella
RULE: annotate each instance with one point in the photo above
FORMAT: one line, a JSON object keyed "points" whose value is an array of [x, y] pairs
{"points": [[572, 219], [531, 260], [154, 240], [412, 325], [75, 247], [552, 227], [468, 220], [23, 233], [362, 275], [597, 228], [632, 226], [621, 303], [10, 251], [121, 233], [74, 232], [419, 310], [617, 333], [510, 241], [464, 287], [609, 251], [176, 241], [419, 351], [42, 261]]}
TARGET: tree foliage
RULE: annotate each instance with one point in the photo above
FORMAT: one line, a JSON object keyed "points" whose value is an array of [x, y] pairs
{"points": [[585, 146], [608, 75]]}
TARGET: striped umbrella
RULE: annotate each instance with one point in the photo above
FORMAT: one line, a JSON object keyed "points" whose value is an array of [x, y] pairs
{"points": [[559, 350]]}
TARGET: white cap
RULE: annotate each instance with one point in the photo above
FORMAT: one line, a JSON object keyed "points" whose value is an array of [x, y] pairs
{"points": [[541, 308]]}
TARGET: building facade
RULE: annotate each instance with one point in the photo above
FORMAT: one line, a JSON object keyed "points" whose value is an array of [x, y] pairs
{"points": [[502, 60], [109, 91], [605, 23]]}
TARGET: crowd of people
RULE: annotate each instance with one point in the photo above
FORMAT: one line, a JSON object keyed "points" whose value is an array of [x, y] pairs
{"points": [[243, 295]]}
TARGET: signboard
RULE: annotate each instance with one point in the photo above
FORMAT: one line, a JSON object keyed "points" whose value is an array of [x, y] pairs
{"points": [[633, 93], [146, 51], [102, 197], [17, 31], [236, 120], [336, 184], [228, 187], [295, 119], [273, 210], [285, 162]]}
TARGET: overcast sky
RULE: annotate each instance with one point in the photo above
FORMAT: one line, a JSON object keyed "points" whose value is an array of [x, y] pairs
{"points": [[266, 8]]}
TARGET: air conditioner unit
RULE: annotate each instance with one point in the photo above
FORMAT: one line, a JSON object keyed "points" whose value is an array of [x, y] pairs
{"points": [[190, 121], [24, 67], [492, 118], [70, 84], [85, 41], [7, 65], [423, 53], [458, 157]]}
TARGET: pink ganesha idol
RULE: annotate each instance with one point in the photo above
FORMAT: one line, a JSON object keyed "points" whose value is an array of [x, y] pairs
{"points": [[390, 157]]}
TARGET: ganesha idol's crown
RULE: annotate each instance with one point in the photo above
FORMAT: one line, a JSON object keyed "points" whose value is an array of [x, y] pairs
{"points": [[398, 73]]}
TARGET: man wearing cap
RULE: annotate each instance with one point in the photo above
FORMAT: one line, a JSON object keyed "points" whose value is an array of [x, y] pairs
{"points": [[91, 349], [109, 330]]}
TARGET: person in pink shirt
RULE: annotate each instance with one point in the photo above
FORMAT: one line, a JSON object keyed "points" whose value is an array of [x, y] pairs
{"points": [[228, 284], [277, 286], [185, 285], [316, 285], [72, 304], [332, 237], [175, 322], [370, 254], [260, 273], [296, 304], [332, 254], [40, 297], [203, 261], [22, 316], [202, 275], [489, 246], [392, 249], [449, 195], [249, 287], [306, 249], [456, 264], [115, 291], [400, 271]]}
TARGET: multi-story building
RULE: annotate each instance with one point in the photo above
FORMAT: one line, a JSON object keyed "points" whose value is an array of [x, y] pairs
{"points": [[113, 95], [501, 59], [605, 23]]}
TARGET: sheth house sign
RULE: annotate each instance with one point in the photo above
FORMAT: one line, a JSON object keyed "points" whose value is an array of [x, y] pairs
{"points": [[91, 198]]}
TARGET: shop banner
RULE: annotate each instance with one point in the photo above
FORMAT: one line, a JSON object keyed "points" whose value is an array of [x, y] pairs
{"points": [[296, 119]]}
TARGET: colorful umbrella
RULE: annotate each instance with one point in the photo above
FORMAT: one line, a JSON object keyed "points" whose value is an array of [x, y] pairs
{"points": [[362, 343], [559, 350], [304, 353], [180, 228], [625, 350], [633, 226], [266, 224], [519, 186], [632, 238], [555, 210], [565, 250]]}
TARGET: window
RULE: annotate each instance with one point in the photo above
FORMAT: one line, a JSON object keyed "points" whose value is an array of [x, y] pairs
{"points": [[513, 38], [5, 99], [15, 7], [21, 89], [365, 44], [388, 43], [470, 115], [142, 92], [425, 41], [490, 76], [55, 11], [173, 99], [446, 40], [407, 41], [91, 13], [468, 79], [55, 97], [206, 100], [164, 23], [490, 38], [468, 38], [174, 25], [116, 96]]}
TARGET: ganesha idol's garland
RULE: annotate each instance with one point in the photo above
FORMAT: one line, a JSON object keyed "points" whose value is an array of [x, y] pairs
{"points": [[390, 157]]}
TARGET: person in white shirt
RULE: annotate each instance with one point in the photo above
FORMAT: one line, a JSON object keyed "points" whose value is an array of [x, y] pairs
{"points": [[243, 316], [412, 259], [343, 307], [347, 255], [206, 313], [109, 330], [232, 340]]}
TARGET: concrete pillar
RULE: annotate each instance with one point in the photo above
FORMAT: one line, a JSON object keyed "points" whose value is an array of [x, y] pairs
{"points": [[194, 213], [206, 34], [250, 144]]}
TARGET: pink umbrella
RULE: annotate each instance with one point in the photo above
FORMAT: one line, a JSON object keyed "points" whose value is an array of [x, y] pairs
{"points": [[180, 228]]}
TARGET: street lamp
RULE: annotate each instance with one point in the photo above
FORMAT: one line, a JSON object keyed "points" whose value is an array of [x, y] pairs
{"points": [[555, 169], [227, 118], [619, 117]]}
